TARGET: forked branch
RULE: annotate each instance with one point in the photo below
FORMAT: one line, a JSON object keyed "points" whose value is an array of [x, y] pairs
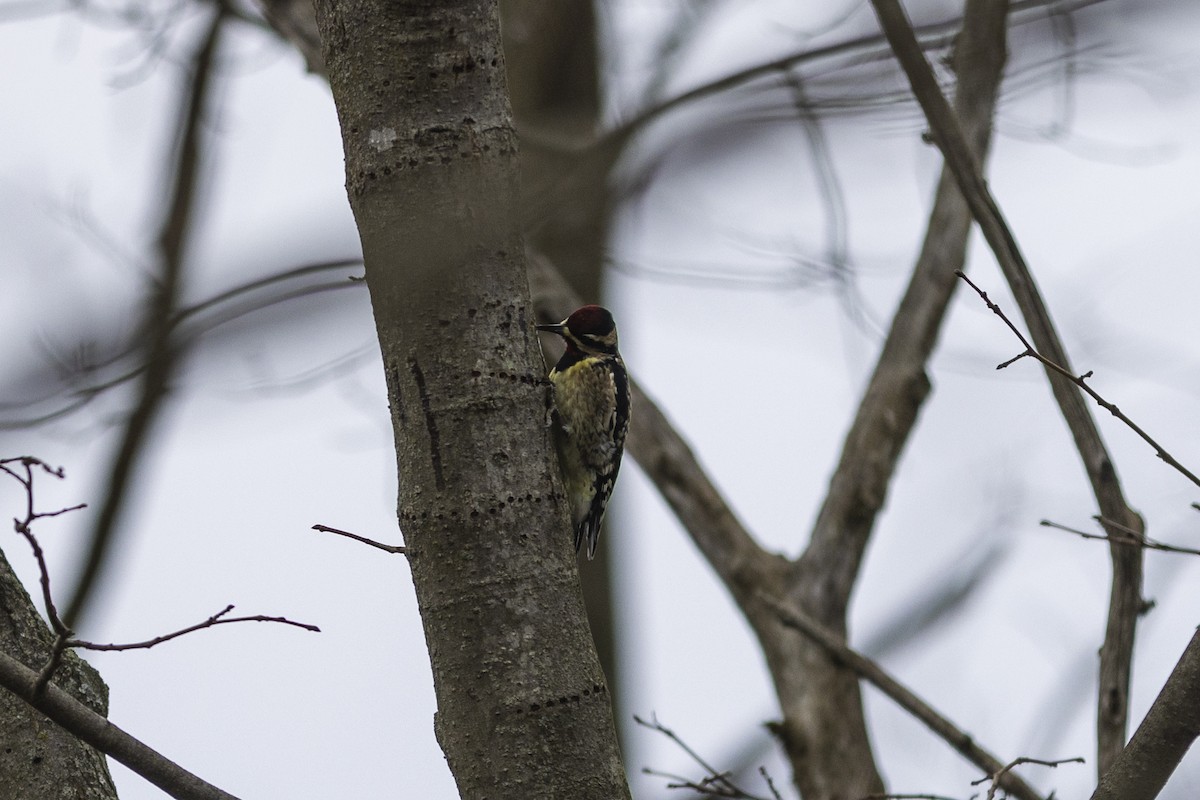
{"points": [[871, 672]]}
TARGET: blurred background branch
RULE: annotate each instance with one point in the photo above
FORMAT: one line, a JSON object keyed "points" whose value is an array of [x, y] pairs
{"points": [[160, 351]]}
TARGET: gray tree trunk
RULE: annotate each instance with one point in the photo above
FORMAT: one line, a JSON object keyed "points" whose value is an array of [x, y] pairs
{"points": [[431, 166]]}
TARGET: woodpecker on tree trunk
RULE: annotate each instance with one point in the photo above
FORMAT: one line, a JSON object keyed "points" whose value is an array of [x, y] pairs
{"points": [[591, 415]]}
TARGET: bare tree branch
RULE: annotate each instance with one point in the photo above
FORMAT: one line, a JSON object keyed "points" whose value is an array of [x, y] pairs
{"points": [[821, 580], [36, 689], [1130, 539], [1125, 600], [216, 619], [22, 526]]}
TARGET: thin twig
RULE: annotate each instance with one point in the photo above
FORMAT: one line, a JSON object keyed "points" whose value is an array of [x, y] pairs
{"points": [[1078, 380], [673, 781], [1016, 762], [387, 548], [24, 528], [1132, 540], [709, 786], [766, 776], [714, 783], [655, 725], [62, 633], [215, 619]]}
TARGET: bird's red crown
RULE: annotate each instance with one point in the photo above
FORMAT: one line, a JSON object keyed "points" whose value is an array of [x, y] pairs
{"points": [[595, 320]]}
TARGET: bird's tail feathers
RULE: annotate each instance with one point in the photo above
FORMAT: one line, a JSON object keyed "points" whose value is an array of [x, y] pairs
{"points": [[589, 529]]}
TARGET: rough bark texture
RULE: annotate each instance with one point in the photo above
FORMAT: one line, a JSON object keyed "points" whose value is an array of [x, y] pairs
{"points": [[38, 759], [523, 710]]}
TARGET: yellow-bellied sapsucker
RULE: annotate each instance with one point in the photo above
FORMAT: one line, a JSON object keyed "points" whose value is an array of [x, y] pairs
{"points": [[591, 415]]}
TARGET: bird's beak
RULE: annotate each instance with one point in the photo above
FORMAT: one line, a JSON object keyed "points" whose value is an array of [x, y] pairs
{"points": [[557, 327]]}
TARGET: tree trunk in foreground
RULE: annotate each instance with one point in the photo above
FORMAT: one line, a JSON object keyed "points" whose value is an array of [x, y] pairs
{"points": [[523, 711]]}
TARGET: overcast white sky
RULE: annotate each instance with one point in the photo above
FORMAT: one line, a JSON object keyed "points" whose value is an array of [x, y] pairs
{"points": [[252, 451]]}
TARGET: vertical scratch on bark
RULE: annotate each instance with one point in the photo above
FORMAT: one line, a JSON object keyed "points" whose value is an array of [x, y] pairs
{"points": [[394, 374], [435, 446]]}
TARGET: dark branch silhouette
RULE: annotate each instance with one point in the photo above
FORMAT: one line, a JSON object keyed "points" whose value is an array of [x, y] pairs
{"points": [[190, 324], [162, 352]]}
